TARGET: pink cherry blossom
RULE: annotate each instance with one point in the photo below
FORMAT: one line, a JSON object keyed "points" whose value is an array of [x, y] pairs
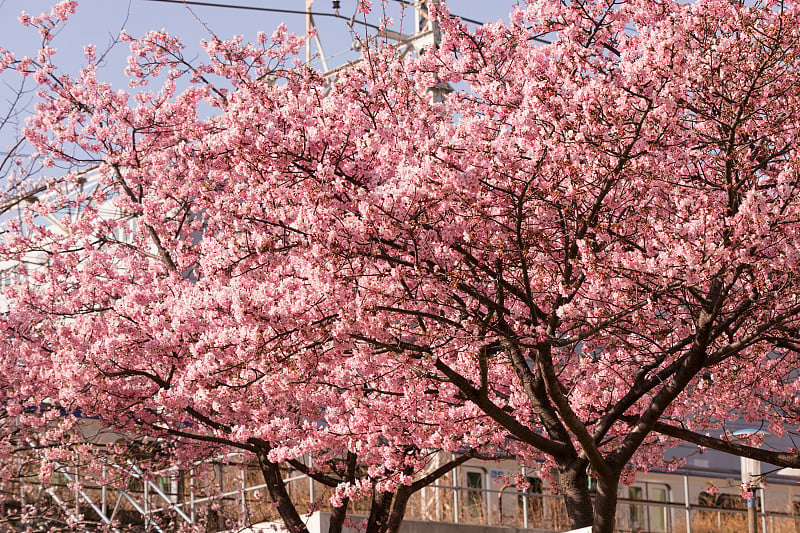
{"points": [[584, 253]]}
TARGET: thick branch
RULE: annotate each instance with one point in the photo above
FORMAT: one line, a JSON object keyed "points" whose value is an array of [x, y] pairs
{"points": [[783, 459], [571, 420], [517, 429], [277, 490]]}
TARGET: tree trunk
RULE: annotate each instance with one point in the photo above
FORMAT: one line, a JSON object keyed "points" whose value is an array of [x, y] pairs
{"points": [[379, 512], [277, 492], [338, 514], [573, 483], [605, 506], [398, 510]]}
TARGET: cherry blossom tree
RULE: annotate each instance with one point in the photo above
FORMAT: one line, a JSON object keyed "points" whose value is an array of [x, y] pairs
{"points": [[584, 252], [200, 389]]}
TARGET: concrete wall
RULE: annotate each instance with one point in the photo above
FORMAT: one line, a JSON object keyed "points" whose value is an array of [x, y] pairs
{"points": [[319, 522]]}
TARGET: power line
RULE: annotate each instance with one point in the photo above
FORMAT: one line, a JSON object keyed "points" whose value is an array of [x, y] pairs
{"points": [[465, 19], [249, 8], [268, 10], [351, 20], [295, 11], [472, 21]]}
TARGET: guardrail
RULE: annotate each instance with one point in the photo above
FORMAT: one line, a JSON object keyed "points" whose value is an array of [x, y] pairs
{"points": [[228, 492]]}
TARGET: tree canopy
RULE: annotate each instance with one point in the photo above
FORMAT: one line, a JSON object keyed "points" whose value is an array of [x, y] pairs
{"points": [[585, 250]]}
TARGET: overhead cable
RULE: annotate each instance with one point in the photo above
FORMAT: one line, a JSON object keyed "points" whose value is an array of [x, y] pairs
{"points": [[267, 10], [294, 11], [465, 19], [351, 20]]}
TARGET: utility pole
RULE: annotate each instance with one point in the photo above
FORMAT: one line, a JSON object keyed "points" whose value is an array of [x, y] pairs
{"points": [[311, 33], [425, 34], [751, 483], [752, 524]]}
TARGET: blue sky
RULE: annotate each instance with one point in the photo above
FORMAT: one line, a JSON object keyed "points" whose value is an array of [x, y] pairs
{"points": [[97, 21]]}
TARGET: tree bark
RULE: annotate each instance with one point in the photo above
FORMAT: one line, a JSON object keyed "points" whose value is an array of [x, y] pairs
{"points": [[398, 510], [573, 483], [279, 496], [338, 514], [379, 512], [605, 506]]}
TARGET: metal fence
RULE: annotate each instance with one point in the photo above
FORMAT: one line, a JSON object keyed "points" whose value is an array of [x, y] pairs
{"points": [[228, 492]]}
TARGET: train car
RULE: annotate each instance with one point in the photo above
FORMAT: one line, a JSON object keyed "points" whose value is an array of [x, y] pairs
{"points": [[705, 493]]}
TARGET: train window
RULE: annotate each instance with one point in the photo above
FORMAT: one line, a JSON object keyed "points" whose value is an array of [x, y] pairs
{"points": [[724, 501], [534, 485], [534, 500], [658, 515], [636, 512], [475, 489], [475, 481], [643, 510]]}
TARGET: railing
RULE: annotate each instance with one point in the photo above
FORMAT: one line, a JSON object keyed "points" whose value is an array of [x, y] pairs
{"points": [[227, 492]]}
